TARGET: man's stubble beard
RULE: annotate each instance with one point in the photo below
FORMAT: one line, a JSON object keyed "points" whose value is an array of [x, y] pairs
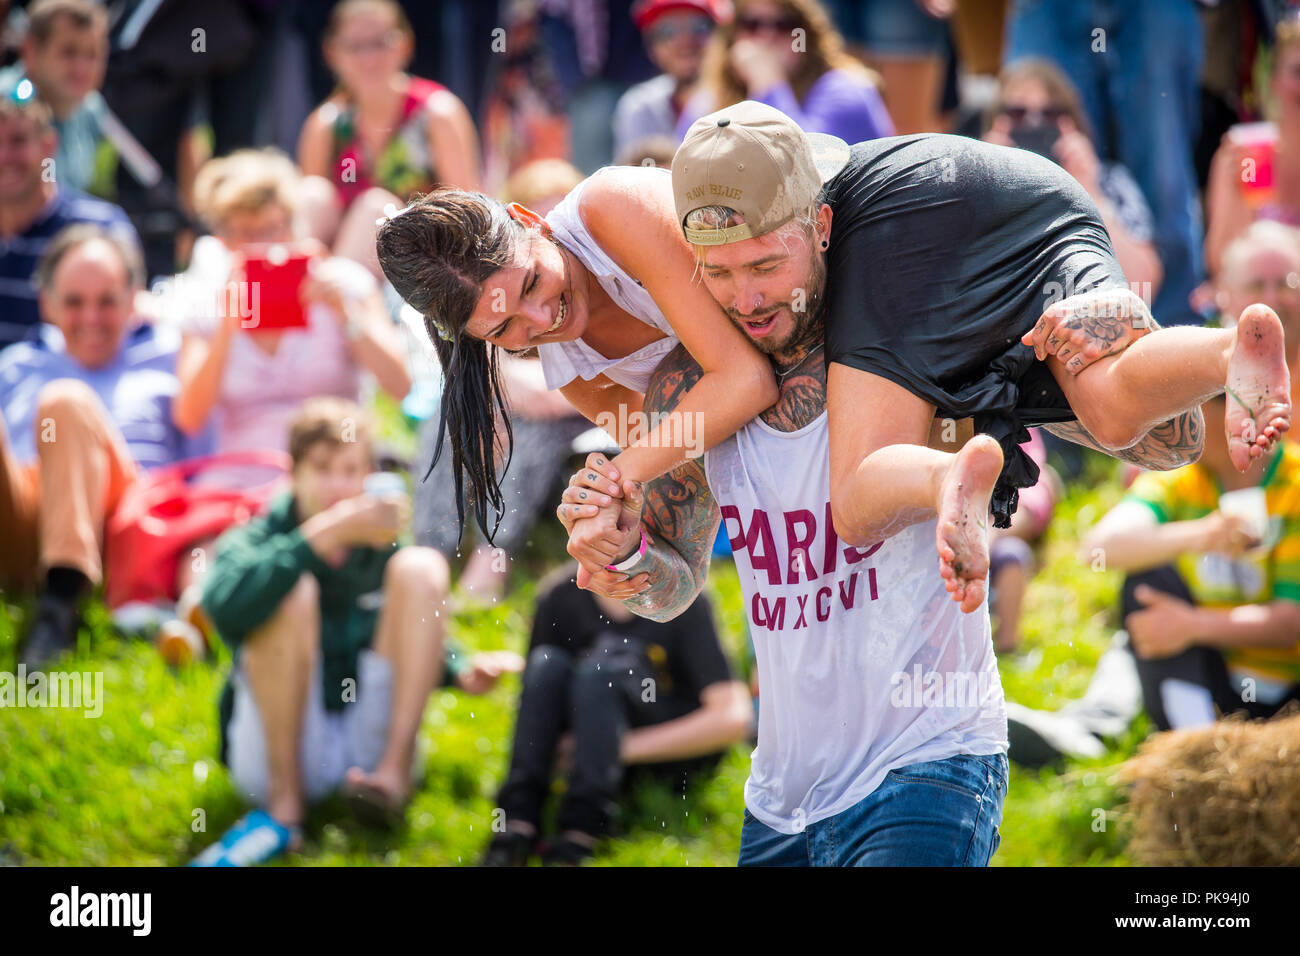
{"points": [[809, 329]]}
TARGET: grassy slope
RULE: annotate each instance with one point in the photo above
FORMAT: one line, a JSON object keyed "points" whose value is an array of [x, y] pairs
{"points": [[135, 785]]}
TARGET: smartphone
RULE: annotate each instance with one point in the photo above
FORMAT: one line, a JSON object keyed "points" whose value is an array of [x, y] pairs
{"points": [[1038, 138], [275, 276]]}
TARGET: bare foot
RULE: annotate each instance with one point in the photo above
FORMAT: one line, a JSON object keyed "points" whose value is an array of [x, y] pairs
{"points": [[962, 536], [1258, 388], [385, 792], [483, 582]]}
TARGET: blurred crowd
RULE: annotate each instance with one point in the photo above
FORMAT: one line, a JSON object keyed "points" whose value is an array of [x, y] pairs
{"points": [[200, 356]]}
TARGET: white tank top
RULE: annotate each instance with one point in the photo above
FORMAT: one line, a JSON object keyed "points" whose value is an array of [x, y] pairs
{"points": [[564, 361], [865, 663]]}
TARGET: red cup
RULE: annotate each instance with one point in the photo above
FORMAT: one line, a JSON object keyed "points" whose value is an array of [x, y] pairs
{"points": [[1258, 142]]}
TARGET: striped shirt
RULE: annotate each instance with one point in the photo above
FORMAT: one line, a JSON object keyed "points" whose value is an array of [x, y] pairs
{"points": [[136, 388], [19, 255], [1219, 581]]}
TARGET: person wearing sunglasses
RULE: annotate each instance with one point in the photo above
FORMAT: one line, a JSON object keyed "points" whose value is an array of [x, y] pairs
{"points": [[787, 54], [1038, 109], [676, 33]]}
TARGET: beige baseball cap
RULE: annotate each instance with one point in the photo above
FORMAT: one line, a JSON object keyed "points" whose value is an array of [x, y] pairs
{"points": [[755, 159]]}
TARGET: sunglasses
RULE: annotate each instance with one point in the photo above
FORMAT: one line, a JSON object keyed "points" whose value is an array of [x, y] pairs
{"points": [[751, 24], [377, 45], [1019, 115], [701, 28], [1274, 287]]}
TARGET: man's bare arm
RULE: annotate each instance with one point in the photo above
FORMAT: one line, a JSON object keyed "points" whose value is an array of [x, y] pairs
{"points": [[1169, 445]]}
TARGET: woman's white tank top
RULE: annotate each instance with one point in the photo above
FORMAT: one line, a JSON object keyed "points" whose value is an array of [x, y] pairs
{"points": [[564, 361]]}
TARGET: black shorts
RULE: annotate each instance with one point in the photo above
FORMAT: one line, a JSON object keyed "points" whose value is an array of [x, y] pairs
{"points": [[944, 252]]}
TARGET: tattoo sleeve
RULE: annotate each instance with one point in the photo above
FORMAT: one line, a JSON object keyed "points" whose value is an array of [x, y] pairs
{"points": [[1168, 445], [680, 514]]}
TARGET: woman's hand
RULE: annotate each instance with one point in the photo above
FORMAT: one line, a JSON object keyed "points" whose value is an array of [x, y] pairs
{"points": [[236, 303], [602, 518], [1228, 534], [591, 488], [757, 65], [999, 132], [323, 287], [1075, 152], [1227, 213], [939, 9], [1089, 326]]}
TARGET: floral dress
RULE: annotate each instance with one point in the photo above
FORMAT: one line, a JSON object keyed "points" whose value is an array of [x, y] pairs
{"points": [[404, 166]]}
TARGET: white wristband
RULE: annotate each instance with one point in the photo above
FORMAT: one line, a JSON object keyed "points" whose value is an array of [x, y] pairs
{"points": [[631, 560]]}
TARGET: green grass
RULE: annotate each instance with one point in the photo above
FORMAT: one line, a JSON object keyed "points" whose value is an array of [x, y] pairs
{"points": [[142, 784]]}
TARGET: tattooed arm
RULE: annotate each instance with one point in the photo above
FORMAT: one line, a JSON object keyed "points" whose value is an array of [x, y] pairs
{"points": [[1089, 326], [676, 511], [1169, 445]]}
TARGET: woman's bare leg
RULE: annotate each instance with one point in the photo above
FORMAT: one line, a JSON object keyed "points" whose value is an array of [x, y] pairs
{"points": [[356, 234], [1121, 399], [884, 478]]}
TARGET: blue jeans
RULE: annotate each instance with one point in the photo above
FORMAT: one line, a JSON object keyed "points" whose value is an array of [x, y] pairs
{"points": [[938, 813], [889, 27], [1137, 67]]}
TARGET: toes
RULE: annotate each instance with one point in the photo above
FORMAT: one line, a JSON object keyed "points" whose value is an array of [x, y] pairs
{"points": [[1239, 455]]}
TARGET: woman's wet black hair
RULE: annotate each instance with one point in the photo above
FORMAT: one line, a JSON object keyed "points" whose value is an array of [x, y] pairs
{"points": [[438, 253]]}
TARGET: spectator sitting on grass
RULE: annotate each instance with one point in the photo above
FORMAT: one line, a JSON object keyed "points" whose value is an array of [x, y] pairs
{"points": [[86, 408], [607, 690], [64, 55], [34, 207], [339, 638], [1211, 601]]}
